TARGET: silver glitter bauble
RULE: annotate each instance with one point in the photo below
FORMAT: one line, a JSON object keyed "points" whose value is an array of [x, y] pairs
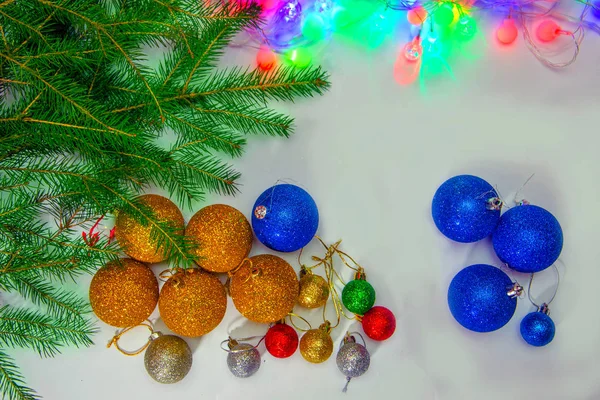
{"points": [[353, 359], [243, 360], [168, 358]]}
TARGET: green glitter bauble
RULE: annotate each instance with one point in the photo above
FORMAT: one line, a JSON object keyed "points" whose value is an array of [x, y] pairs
{"points": [[358, 296]]}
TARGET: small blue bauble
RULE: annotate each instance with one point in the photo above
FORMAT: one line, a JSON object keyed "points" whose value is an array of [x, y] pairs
{"points": [[528, 238], [461, 209], [285, 218], [478, 298], [537, 329]]}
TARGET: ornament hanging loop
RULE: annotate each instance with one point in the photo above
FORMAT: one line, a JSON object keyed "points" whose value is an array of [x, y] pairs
{"points": [[291, 315], [544, 307], [232, 343], [350, 338], [115, 339]]}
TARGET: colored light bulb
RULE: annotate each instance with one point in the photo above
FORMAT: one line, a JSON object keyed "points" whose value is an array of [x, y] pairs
{"points": [[413, 50], [266, 58], [432, 45], [416, 16], [291, 11], [466, 27], [444, 14], [596, 9], [314, 28], [324, 6], [507, 32], [548, 30], [299, 57]]}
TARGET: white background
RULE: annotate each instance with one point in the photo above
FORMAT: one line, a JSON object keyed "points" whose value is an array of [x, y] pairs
{"points": [[372, 153]]}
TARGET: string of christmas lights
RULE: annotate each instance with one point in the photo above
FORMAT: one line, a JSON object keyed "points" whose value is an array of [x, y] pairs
{"points": [[295, 31]]}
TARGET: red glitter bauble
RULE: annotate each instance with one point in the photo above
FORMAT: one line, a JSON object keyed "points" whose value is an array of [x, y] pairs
{"points": [[281, 340], [379, 323]]}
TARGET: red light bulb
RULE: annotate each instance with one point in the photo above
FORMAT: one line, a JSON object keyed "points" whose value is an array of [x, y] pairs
{"points": [[266, 58], [548, 30], [417, 16], [507, 32]]}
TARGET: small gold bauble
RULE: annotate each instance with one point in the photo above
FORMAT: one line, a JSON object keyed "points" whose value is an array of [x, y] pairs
{"points": [[223, 237], [264, 289], [124, 293], [168, 358], [314, 291], [135, 239], [316, 345], [192, 302]]}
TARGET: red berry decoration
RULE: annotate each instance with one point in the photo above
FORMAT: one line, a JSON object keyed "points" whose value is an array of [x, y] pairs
{"points": [[281, 340], [379, 323]]}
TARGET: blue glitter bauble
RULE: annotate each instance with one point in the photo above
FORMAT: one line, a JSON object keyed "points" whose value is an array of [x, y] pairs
{"points": [[478, 298], [528, 238], [460, 209], [285, 218], [537, 329]]}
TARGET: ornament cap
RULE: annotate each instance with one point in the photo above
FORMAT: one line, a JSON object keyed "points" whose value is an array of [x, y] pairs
{"points": [[515, 290], [155, 335], [326, 326], [494, 203], [360, 274], [544, 309]]}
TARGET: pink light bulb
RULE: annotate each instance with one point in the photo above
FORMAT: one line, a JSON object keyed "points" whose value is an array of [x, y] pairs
{"points": [[507, 32]]}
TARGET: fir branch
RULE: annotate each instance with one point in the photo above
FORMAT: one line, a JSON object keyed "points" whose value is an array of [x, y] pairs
{"points": [[29, 329], [12, 383], [60, 304]]}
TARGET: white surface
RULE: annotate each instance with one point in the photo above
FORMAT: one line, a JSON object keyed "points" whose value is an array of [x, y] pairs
{"points": [[372, 154]]}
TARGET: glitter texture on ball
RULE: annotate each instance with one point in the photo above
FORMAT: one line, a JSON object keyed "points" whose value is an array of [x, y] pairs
{"points": [[316, 345], [353, 359], [281, 340], [264, 289], [478, 299], [461, 209], [314, 291], [243, 360], [537, 329], [223, 237], [528, 239], [135, 238], [192, 302], [358, 296], [123, 293], [168, 358], [290, 218], [379, 323]]}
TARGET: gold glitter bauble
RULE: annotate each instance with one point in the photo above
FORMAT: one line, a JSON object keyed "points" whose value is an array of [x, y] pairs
{"points": [[223, 235], [314, 291], [192, 302], [168, 358], [124, 293], [134, 238], [265, 289], [316, 345]]}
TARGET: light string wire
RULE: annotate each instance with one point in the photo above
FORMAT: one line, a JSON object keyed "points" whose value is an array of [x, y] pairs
{"points": [[553, 294], [523, 10]]}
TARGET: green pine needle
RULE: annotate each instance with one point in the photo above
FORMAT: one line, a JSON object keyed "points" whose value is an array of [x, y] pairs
{"points": [[82, 111]]}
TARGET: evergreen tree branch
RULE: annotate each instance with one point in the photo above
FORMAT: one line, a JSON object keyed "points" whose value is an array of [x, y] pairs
{"points": [[12, 383]]}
